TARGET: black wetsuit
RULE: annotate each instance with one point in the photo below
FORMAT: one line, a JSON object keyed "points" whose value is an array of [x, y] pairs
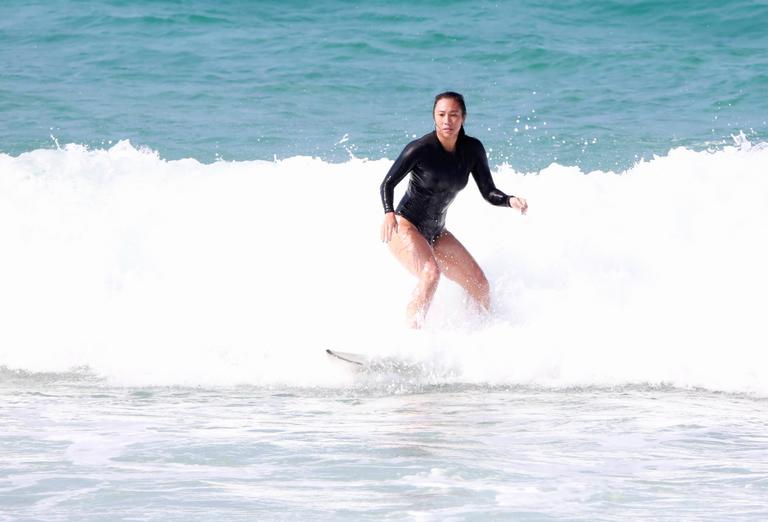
{"points": [[438, 175]]}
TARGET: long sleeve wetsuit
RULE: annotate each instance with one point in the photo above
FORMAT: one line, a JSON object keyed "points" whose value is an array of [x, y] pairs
{"points": [[437, 176]]}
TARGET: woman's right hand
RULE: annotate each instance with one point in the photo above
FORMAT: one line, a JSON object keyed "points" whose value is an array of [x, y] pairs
{"points": [[388, 227]]}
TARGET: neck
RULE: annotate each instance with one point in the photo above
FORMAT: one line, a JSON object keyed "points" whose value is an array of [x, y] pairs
{"points": [[448, 144]]}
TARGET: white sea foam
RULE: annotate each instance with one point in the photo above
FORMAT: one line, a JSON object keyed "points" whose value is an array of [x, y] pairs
{"points": [[165, 272]]}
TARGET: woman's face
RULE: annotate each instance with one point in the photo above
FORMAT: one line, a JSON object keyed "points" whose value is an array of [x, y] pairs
{"points": [[448, 118]]}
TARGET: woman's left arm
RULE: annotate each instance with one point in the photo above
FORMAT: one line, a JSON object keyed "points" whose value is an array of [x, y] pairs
{"points": [[482, 174]]}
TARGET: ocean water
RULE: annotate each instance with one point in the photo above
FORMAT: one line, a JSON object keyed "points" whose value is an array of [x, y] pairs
{"points": [[189, 216], [595, 84]]}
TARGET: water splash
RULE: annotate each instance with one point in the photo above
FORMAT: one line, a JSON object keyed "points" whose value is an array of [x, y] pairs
{"points": [[150, 271]]}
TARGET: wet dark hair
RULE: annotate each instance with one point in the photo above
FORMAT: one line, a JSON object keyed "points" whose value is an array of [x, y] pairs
{"points": [[458, 98]]}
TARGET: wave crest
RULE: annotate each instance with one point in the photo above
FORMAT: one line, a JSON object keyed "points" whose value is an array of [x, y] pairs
{"points": [[177, 272]]}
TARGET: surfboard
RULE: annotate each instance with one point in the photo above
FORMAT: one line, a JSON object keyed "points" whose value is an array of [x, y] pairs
{"points": [[377, 365], [352, 358]]}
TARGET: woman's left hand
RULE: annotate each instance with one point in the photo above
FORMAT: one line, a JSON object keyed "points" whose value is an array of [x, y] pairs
{"points": [[519, 203]]}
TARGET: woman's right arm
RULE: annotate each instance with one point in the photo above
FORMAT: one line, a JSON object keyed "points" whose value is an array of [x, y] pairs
{"points": [[402, 166]]}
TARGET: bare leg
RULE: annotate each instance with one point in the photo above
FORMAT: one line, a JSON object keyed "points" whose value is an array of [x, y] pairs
{"points": [[459, 266], [415, 254]]}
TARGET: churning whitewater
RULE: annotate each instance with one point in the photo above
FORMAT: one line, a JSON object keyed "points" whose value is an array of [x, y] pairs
{"points": [[139, 270]]}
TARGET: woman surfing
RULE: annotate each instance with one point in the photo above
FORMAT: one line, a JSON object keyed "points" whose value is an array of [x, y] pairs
{"points": [[440, 163]]}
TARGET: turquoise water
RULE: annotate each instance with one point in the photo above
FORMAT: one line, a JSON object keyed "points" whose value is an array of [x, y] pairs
{"points": [[189, 216], [595, 84]]}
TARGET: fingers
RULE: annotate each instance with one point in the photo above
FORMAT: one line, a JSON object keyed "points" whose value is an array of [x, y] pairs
{"points": [[386, 233], [520, 204], [388, 229]]}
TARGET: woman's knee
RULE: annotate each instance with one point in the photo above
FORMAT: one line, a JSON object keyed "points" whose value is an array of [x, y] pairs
{"points": [[430, 272]]}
